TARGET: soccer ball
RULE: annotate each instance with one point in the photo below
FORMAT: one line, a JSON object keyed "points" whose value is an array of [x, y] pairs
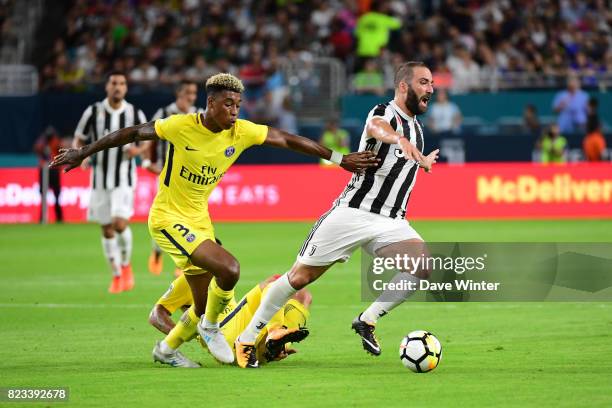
{"points": [[420, 351]]}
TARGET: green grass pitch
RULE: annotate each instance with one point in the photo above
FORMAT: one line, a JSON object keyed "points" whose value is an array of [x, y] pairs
{"points": [[59, 327]]}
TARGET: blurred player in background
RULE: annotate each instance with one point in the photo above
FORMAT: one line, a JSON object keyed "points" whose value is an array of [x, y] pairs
{"points": [[335, 138], [370, 213], [287, 326], [113, 176], [202, 147], [46, 147], [552, 145], [154, 152]]}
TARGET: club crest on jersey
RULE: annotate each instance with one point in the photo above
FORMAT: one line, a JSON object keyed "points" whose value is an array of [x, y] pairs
{"points": [[190, 237], [230, 151], [398, 153]]}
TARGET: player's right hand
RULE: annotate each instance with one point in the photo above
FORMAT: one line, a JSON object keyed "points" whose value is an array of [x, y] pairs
{"points": [[410, 151], [69, 157], [358, 162]]}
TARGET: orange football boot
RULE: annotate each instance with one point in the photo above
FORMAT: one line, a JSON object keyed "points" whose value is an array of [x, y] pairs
{"points": [[115, 286], [127, 277], [156, 263]]}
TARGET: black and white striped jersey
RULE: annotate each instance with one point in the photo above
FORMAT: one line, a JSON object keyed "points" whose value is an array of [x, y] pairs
{"points": [[111, 168], [161, 146], [385, 189]]}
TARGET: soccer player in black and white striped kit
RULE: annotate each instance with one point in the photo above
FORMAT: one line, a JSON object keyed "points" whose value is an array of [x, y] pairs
{"points": [[154, 151], [113, 176], [370, 212]]}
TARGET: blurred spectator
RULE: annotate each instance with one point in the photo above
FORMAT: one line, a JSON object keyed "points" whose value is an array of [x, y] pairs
{"points": [[286, 119], [571, 105], [593, 110], [373, 28], [552, 146], [512, 44], [174, 72], [144, 73], [253, 75], [68, 75], [370, 79], [260, 110], [444, 115], [341, 40], [347, 14], [46, 147], [200, 71], [465, 71], [275, 83], [531, 122], [322, 18], [335, 138], [594, 143], [584, 68]]}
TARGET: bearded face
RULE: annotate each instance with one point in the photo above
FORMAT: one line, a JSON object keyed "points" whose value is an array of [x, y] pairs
{"points": [[415, 103]]}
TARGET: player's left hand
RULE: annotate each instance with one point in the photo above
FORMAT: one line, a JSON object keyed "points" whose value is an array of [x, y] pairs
{"points": [[70, 157], [358, 162], [429, 160]]}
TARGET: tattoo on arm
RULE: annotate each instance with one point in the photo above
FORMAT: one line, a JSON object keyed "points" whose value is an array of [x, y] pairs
{"points": [[145, 131]]}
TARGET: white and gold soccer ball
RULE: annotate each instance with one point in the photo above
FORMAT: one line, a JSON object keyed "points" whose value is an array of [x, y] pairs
{"points": [[420, 351]]}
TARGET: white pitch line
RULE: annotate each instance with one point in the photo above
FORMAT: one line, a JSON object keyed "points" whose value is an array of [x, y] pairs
{"points": [[74, 305]]}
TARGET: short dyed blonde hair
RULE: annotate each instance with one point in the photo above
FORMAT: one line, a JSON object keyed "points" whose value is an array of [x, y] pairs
{"points": [[224, 82]]}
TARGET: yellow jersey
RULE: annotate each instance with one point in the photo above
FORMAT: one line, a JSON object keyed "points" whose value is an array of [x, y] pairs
{"points": [[196, 161]]}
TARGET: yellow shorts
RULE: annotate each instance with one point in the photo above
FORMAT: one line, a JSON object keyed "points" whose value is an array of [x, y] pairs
{"points": [[179, 238], [177, 295]]}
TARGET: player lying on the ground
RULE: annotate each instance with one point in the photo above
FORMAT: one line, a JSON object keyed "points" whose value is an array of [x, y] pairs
{"points": [[286, 327], [202, 148], [370, 213]]}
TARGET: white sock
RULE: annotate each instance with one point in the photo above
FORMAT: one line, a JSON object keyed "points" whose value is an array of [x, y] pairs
{"points": [[390, 299], [125, 243], [277, 295], [165, 348], [208, 325], [111, 251]]}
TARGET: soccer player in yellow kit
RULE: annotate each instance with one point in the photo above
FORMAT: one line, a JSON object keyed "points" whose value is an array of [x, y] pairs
{"points": [[287, 326], [201, 149]]}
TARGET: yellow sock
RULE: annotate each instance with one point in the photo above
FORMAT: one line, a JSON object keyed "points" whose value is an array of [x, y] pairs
{"points": [[277, 320], [184, 330], [295, 314], [217, 301]]}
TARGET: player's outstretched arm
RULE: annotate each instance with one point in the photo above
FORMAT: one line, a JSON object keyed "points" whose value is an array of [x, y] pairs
{"points": [[73, 157], [381, 130], [353, 162]]}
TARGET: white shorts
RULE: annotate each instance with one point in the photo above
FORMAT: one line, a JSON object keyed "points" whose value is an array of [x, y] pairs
{"points": [[104, 205], [343, 229]]}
